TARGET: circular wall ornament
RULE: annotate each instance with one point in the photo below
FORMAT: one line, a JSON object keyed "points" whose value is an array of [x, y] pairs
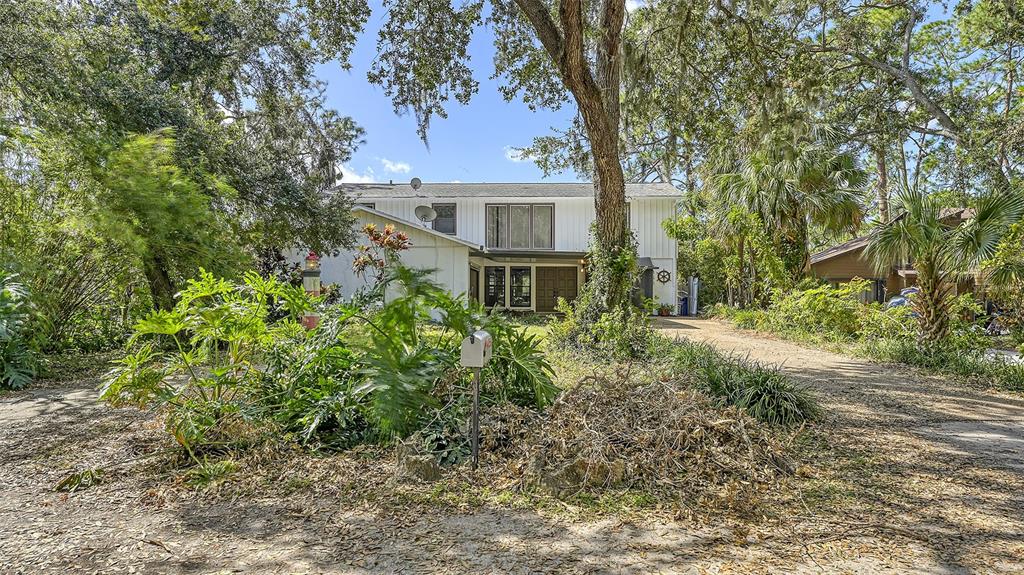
{"points": [[664, 276]]}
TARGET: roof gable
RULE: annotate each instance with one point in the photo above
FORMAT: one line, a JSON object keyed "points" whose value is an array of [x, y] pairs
{"points": [[415, 226], [845, 247]]}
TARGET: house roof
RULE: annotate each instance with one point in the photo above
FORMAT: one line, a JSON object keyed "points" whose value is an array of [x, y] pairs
{"points": [[956, 214], [947, 215], [417, 226], [501, 190], [845, 247]]}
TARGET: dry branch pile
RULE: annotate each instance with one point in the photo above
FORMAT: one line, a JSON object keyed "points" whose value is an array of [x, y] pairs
{"points": [[656, 436]]}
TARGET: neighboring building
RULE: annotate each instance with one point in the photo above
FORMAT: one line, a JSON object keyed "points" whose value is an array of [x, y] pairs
{"points": [[840, 264], [517, 246]]}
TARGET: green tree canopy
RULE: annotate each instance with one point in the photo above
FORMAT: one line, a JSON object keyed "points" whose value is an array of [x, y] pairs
{"points": [[233, 79]]}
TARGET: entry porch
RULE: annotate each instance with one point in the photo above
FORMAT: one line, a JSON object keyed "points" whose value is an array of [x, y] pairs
{"points": [[525, 282]]}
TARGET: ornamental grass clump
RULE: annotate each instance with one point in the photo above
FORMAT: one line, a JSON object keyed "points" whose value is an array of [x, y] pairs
{"points": [[763, 391]]}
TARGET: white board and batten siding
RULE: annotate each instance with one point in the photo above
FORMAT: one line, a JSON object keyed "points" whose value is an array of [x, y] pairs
{"points": [[446, 257], [645, 219], [573, 218], [649, 206]]}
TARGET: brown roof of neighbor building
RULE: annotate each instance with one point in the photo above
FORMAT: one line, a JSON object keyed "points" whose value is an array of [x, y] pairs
{"points": [[840, 249], [957, 214]]}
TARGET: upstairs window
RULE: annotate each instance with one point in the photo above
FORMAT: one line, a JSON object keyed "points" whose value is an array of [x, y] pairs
{"points": [[520, 226], [543, 227], [497, 226], [445, 220]]}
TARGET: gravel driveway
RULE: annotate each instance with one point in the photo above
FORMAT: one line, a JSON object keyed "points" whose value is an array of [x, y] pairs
{"points": [[984, 424]]}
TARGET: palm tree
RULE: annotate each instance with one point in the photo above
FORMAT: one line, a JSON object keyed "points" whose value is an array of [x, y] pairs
{"points": [[795, 178], [941, 251]]}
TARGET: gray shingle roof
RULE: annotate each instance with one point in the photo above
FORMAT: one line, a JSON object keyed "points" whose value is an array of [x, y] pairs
{"points": [[847, 246], [495, 190]]}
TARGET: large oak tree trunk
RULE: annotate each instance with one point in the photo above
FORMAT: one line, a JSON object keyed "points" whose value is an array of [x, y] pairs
{"points": [[597, 96]]}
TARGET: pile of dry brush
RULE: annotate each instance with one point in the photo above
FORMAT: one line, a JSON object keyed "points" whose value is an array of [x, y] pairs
{"points": [[642, 433]]}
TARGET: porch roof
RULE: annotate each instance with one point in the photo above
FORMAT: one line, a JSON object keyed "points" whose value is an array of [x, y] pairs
{"points": [[500, 253]]}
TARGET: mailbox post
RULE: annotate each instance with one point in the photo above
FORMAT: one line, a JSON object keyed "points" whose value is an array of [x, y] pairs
{"points": [[476, 353]]}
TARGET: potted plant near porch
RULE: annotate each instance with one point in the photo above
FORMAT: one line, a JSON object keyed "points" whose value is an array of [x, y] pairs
{"points": [[664, 309]]}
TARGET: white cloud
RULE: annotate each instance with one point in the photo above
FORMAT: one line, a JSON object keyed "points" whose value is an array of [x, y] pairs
{"points": [[516, 155], [455, 182], [632, 5], [395, 167], [350, 176]]}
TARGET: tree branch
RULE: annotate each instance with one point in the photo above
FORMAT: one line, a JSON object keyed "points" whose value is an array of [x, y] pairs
{"points": [[609, 56], [547, 31]]}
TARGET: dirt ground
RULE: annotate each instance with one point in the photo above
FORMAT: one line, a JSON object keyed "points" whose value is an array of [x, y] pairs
{"points": [[907, 474]]}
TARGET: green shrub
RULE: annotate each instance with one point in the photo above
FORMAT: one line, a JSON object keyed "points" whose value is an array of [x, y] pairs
{"points": [[879, 322], [18, 358], [890, 335], [762, 390], [307, 386], [519, 372], [1010, 377], [755, 319], [201, 359], [826, 313], [230, 364], [619, 334], [833, 312]]}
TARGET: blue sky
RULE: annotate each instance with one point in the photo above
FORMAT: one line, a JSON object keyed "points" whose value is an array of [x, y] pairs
{"points": [[471, 145]]}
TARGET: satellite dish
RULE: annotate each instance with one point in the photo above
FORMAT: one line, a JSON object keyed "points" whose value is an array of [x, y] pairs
{"points": [[425, 214], [416, 183]]}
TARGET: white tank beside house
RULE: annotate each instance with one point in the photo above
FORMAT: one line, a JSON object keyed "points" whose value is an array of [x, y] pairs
{"points": [[519, 246]]}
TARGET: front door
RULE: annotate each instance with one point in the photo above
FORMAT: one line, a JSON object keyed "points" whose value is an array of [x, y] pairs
{"points": [[553, 283]]}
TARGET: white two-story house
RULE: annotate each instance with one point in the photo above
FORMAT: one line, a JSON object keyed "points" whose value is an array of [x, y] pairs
{"points": [[515, 246]]}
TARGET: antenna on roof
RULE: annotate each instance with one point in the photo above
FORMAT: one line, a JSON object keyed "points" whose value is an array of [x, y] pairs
{"points": [[416, 183], [426, 214]]}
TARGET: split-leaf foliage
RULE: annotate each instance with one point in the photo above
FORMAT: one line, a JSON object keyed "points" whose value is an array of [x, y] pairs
{"points": [[230, 364]]}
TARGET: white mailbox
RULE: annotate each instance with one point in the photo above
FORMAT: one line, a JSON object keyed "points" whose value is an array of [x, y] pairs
{"points": [[476, 349]]}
